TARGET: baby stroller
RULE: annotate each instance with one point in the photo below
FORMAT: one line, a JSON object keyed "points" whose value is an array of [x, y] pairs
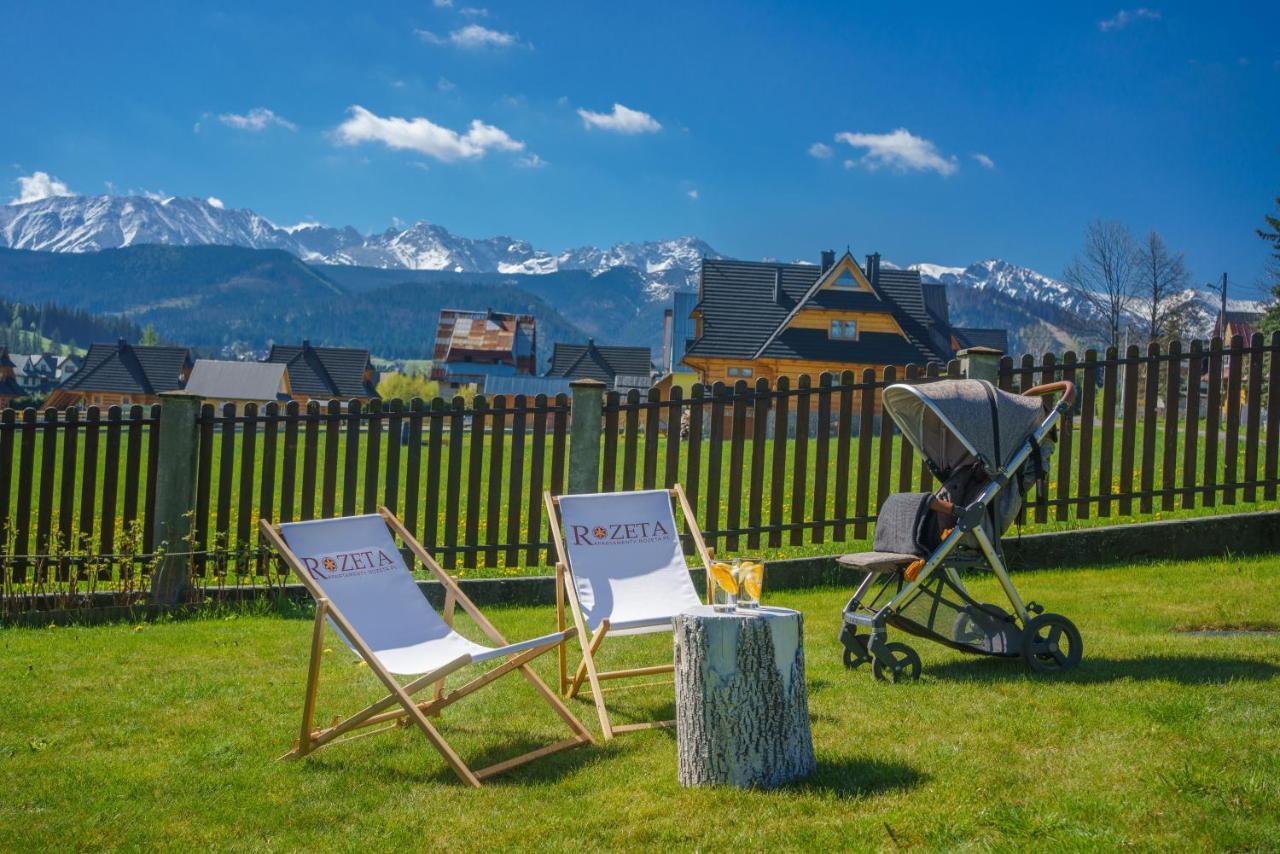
{"points": [[983, 445]]}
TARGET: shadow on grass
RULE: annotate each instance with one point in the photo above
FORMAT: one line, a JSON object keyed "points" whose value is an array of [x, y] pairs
{"points": [[1185, 669], [428, 766], [854, 777]]}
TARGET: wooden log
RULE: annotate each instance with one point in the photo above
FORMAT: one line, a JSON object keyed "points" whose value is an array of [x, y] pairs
{"points": [[742, 711]]}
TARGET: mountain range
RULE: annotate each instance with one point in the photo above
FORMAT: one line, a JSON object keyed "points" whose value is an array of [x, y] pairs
{"points": [[91, 223], [167, 261]]}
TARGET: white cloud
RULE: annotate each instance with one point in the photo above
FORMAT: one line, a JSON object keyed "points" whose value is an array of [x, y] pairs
{"points": [[531, 161], [444, 84], [474, 11], [471, 37], [621, 120], [1125, 17], [425, 136], [442, 4], [257, 119], [900, 150], [37, 186], [693, 194], [983, 160], [215, 202], [820, 150], [302, 226]]}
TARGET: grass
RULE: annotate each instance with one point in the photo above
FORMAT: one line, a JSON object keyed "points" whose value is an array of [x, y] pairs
{"points": [[163, 736]]}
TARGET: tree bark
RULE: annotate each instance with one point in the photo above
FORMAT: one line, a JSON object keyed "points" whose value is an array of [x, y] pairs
{"points": [[742, 711]]}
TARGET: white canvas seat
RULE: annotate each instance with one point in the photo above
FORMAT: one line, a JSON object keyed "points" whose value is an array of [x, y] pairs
{"points": [[623, 568], [363, 589]]}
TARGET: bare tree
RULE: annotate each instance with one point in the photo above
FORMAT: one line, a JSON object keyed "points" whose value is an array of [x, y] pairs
{"points": [[1163, 280], [1104, 275]]}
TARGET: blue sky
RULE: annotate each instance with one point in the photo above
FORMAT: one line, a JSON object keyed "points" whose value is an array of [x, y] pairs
{"points": [[1164, 117]]}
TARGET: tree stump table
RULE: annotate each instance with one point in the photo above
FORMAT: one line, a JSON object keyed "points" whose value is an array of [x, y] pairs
{"points": [[742, 712]]}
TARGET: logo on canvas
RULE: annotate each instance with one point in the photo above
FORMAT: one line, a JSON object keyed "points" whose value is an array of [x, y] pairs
{"points": [[620, 533], [345, 564]]}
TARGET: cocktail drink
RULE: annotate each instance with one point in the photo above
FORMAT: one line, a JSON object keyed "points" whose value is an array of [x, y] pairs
{"points": [[724, 586], [750, 577]]}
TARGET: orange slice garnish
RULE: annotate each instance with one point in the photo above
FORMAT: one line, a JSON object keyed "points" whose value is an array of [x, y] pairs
{"points": [[723, 574], [751, 579]]}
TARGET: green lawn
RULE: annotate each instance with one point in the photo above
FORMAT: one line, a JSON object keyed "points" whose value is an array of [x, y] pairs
{"points": [[163, 736]]}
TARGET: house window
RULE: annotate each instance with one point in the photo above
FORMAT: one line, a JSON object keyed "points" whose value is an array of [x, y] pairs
{"points": [[846, 329], [845, 280], [740, 372]]}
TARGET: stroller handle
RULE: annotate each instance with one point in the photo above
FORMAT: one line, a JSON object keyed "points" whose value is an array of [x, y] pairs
{"points": [[1067, 388]]}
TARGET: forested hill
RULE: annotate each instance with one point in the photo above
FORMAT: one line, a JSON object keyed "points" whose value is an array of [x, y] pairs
{"points": [[213, 296], [29, 328]]}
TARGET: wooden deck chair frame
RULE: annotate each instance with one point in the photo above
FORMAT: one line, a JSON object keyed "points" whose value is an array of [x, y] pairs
{"points": [[409, 711], [590, 643]]}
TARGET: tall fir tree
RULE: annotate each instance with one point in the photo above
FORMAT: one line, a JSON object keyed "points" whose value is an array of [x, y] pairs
{"points": [[1271, 234]]}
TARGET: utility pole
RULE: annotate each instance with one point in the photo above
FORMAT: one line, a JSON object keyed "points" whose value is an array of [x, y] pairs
{"points": [[1220, 325]]}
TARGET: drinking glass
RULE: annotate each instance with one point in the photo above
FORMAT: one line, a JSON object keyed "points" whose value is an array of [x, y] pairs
{"points": [[750, 577], [724, 586]]}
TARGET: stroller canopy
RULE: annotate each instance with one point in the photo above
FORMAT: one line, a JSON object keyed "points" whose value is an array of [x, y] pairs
{"points": [[949, 421]]}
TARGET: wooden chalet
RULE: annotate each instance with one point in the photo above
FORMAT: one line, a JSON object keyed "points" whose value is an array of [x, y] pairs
{"points": [[222, 382], [122, 374], [9, 388], [759, 319], [616, 367], [1242, 323], [326, 373]]}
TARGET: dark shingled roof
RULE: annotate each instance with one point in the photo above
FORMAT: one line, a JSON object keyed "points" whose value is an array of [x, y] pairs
{"points": [[872, 348], [126, 369], [740, 313], [997, 339], [588, 361], [935, 302], [325, 372]]}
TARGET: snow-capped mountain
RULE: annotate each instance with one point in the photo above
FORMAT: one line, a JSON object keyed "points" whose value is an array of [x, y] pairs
{"points": [[91, 223], [1009, 279], [1198, 308]]}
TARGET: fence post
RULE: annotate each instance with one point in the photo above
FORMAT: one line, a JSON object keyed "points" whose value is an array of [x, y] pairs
{"points": [[586, 410], [981, 363], [175, 494]]}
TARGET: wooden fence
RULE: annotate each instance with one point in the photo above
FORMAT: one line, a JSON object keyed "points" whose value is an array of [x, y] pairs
{"points": [[767, 466], [467, 479], [74, 485]]}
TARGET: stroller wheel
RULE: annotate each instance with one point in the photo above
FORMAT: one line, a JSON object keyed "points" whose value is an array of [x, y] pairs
{"points": [[856, 655], [906, 663], [1051, 644]]}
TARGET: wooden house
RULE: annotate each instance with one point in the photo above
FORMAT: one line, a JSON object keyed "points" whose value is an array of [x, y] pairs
{"points": [[617, 367], [472, 346], [9, 388], [326, 373], [757, 319], [1242, 323], [121, 374], [238, 383]]}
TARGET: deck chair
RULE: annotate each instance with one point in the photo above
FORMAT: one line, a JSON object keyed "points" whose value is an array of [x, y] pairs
{"points": [[623, 570], [363, 588]]}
